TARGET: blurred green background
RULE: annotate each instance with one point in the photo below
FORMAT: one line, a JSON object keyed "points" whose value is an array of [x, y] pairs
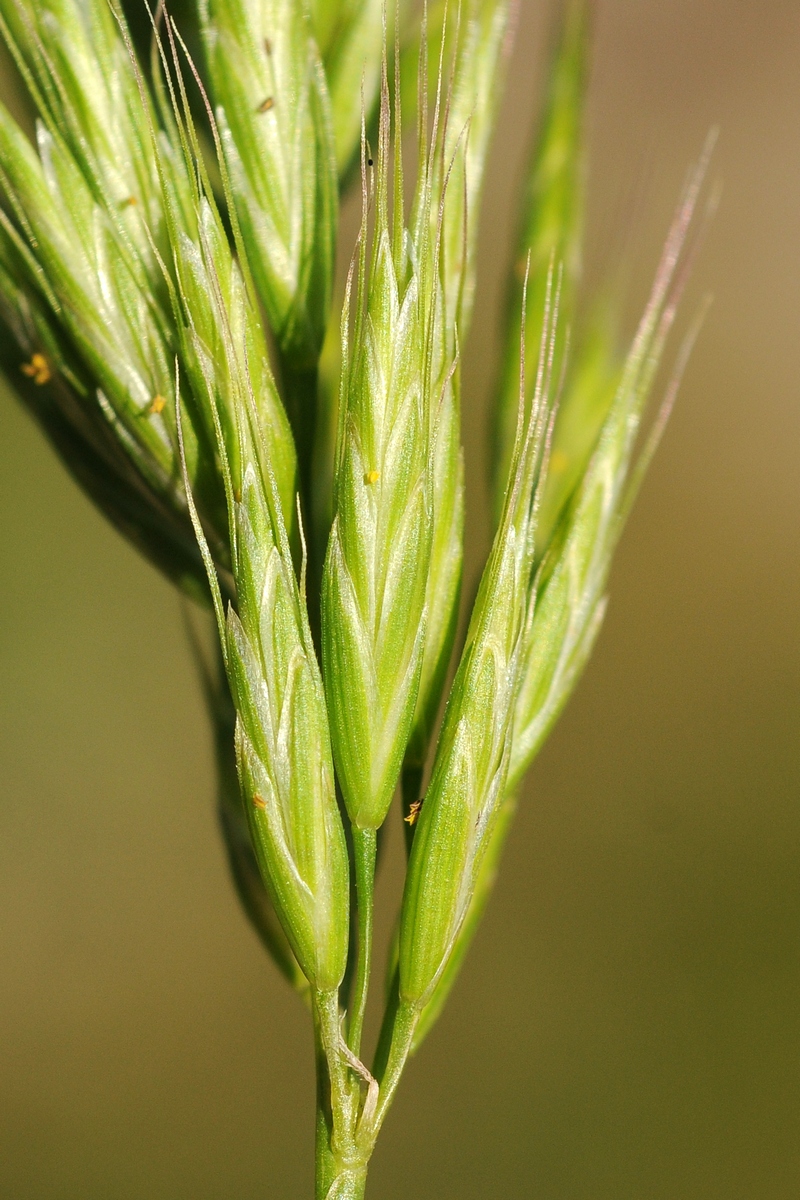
{"points": [[628, 1025]]}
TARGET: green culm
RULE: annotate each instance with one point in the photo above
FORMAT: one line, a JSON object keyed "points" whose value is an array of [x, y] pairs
{"points": [[286, 447]]}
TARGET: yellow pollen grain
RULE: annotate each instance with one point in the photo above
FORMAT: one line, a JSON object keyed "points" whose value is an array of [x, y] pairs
{"points": [[129, 202], [157, 405], [266, 105], [38, 369], [372, 477], [413, 813]]}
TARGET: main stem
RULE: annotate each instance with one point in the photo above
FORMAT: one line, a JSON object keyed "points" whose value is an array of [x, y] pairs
{"points": [[341, 1164], [335, 1179]]}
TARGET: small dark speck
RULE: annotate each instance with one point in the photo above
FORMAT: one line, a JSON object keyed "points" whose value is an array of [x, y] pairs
{"points": [[370, 163], [266, 105]]}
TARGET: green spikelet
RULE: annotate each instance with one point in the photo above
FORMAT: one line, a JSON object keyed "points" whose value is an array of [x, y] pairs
{"points": [[591, 383], [566, 617], [130, 488], [79, 72], [551, 228], [277, 134], [77, 270], [468, 782], [573, 576], [283, 746], [482, 33], [85, 276], [282, 740], [222, 342], [220, 337], [481, 41], [484, 886], [233, 823], [83, 224], [376, 569]]}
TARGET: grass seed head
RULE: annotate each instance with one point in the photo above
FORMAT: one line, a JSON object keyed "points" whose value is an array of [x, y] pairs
{"points": [[134, 272]]}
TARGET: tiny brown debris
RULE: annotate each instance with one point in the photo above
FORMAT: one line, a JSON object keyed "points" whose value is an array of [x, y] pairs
{"points": [[268, 47], [259, 802], [38, 369], [266, 105]]}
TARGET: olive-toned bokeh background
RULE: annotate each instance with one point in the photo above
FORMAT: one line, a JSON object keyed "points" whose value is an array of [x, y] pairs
{"points": [[628, 1025]]}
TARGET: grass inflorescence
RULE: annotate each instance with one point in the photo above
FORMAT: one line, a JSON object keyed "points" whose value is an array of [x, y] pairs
{"points": [[168, 303]]}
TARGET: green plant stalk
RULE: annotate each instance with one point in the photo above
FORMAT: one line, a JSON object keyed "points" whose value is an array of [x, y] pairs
{"points": [[341, 1161], [365, 848], [403, 1024], [338, 1170]]}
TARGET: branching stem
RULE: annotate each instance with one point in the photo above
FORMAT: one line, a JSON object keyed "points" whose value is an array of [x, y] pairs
{"points": [[405, 1021], [341, 1164]]}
